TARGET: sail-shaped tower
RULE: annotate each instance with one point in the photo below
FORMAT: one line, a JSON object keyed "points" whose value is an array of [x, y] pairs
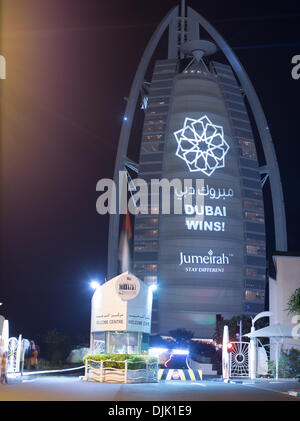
{"points": [[199, 117]]}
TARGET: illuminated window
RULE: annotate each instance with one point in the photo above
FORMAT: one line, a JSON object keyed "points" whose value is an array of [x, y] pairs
{"points": [[158, 120], [145, 268], [255, 216], [157, 101], [145, 245], [141, 234], [154, 137], [257, 296], [150, 279], [256, 250], [255, 273], [154, 210], [158, 109], [146, 222], [257, 206], [253, 194], [154, 128], [248, 148]]}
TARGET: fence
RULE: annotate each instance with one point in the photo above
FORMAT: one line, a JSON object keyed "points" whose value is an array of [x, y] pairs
{"points": [[102, 371], [239, 359]]}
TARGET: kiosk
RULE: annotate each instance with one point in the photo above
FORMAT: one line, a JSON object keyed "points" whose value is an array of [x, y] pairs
{"points": [[121, 316]]}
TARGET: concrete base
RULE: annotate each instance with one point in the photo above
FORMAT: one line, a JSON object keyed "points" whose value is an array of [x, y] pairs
{"points": [[294, 393]]}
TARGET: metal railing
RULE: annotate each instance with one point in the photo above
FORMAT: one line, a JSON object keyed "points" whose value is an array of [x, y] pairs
{"points": [[282, 366], [239, 359]]}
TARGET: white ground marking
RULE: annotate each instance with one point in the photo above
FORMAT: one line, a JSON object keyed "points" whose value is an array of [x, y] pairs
{"points": [[268, 390], [186, 383]]}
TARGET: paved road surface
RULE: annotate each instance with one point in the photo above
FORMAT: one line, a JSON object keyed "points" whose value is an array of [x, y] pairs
{"points": [[71, 388]]}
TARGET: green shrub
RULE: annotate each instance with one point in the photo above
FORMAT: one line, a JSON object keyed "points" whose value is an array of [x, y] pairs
{"points": [[56, 346], [135, 362], [50, 365], [288, 364], [43, 364]]}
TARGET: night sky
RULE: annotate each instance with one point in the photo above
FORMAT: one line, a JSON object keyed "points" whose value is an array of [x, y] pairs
{"points": [[70, 63]]}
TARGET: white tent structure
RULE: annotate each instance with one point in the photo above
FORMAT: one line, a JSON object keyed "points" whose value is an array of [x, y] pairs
{"points": [[274, 331], [277, 332]]}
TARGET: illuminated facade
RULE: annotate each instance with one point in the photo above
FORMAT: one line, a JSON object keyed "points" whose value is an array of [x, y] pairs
{"points": [[209, 260]]}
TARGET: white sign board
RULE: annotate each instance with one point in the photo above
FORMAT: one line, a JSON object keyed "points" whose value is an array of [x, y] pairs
{"points": [[123, 303]]}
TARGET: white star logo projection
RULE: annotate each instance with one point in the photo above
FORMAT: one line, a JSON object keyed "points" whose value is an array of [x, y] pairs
{"points": [[201, 145]]}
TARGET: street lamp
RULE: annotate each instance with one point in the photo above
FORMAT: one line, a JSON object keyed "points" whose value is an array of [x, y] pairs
{"points": [[94, 284]]}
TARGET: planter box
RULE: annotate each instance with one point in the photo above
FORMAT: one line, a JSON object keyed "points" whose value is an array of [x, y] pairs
{"points": [[97, 372]]}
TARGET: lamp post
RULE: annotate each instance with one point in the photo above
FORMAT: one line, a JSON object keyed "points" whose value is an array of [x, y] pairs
{"points": [[94, 283], [153, 287]]}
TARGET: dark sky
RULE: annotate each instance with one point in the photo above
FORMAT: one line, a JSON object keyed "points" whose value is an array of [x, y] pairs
{"points": [[69, 65]]}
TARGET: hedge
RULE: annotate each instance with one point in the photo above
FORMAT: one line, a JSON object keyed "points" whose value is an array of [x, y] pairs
{"points": [[136, 362]]}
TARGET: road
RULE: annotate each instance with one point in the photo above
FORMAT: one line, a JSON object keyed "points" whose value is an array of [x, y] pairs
{"points": [[71, 388]]}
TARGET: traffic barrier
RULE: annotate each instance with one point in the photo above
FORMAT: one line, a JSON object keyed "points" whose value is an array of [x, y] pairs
{"points": [[61, 370], [179, 374]]}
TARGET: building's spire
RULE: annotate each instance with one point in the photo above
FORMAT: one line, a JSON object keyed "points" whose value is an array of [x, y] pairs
{"points": [[183, 8]]}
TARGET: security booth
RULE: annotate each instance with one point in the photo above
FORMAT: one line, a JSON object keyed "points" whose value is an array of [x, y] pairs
{"points": [[121, 316]]}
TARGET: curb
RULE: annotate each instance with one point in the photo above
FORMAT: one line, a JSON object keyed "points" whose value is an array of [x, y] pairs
{"points": [[294, 393], [270, 381]]}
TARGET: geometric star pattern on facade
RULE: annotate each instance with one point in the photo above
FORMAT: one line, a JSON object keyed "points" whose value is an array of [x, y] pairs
{"points": [[201, 145]]}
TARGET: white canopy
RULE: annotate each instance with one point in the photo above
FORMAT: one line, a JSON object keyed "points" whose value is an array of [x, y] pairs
{"points": [[274, 331]]}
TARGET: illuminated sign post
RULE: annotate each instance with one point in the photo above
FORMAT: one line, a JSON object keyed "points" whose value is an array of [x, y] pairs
{"points": [[121, 315]]}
